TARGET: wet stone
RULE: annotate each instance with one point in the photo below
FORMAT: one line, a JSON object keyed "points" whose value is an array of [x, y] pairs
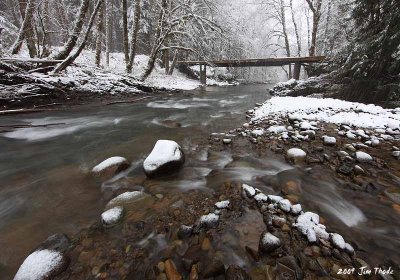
{"points": [[170, 270], [185, 231], [57, 242], [269, 242], [214, 269], [236, 273]]}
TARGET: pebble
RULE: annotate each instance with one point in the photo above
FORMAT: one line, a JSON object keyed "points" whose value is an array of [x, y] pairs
{"points": [[170, 270], [363, 157], [285, 205], [358, 170], [227, 141], [329, 141], [396, 154], [206, 244]]}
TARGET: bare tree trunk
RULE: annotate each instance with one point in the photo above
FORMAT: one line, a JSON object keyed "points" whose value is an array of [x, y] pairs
{"points": [[296, 29], [174, 61], [285, 34], [26, 30], [99, 36], [134, 35], [59, 7], [125, 32], [71, 58], [316, 11], [166, 61], [46, 35], [73, 38], [107, 10]]}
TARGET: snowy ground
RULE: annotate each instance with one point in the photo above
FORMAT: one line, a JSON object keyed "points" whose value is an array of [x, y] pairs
{"points": [[86, 76]]}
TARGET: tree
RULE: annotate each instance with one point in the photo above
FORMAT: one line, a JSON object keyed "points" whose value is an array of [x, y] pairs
{"points": [[26, 29], [125, 31], [296, 29], [134, 36], [99, 36], [73, 38], [71, 58], [315, 7]]}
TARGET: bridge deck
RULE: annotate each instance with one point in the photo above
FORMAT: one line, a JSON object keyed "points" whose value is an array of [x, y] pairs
{"points": [[279, 61]]}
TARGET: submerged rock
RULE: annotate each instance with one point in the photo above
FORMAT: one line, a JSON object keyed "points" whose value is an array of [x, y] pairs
{"points": [[165, 158], [135, 199], [111, 166]]}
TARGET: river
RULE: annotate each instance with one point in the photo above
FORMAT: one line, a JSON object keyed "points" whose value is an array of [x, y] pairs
{"points": [[47, 188]]}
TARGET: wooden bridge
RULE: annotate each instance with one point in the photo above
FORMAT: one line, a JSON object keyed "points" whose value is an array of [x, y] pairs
{"points": [[266, 62]]}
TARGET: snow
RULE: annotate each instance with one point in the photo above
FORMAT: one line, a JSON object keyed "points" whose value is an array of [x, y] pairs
{"points": [[257, 132], [250, 191], [270, 239], [275, 198], [277, 129], [363, 157], [329, 110], [296, 153], [210, 220], [296, 209], [285, 205], [329, 140], [39, 265], [348, 248], [112, 215], [109, 162], [338, 241], [222, 204], [125, 197], [163, 152], [261, 198]]}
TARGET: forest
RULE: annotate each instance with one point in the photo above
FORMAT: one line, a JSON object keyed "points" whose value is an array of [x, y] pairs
{"points": [[199, 139]]}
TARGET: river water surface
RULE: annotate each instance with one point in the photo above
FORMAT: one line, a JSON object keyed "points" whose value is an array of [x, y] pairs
{"points": [[46, 186]]}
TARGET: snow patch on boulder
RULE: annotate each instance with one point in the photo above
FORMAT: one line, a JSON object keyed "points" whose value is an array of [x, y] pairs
{"points": [[112, 216]]}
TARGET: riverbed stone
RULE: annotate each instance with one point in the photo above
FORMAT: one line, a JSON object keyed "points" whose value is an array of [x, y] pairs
{"points": [[235, 272], [109, 167], [269, 242], [166, 157], [112, 216], [363, 157], [329, 141], [170, 270], [296, 154]]}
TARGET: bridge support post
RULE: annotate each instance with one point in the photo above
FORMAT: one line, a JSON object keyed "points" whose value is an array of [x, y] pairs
{"points": [[203, 74], [296, 72]]}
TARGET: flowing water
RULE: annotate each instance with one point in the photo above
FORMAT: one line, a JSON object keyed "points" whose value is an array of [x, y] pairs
{"points": [[46, 186]]}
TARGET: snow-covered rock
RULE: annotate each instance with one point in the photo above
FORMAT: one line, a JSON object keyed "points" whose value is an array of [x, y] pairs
{"points": [[329, 141], [274, 198], [210, 221], [261, 198], [112, 216], [296, 154], [363, 157], [269, 242], [248, 190], [40, 265], [276, 129], [296, 209], [111, 166], [396, 154], [126, 198], [257, 132], [166, 157], [337, 241], [227, 141], [285, 205], [222, 204], [349, 249]]}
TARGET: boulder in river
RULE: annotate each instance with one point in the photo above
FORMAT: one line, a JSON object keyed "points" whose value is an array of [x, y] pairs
{"points": [[165, 158], [42, 264], [109, 167]]}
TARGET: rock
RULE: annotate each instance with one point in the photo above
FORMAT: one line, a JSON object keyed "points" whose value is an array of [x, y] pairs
{"points": [[57, 242], [269, 242], [112, 216], [222, 204], [170, 270], [159, 196], [42, 264], [349, 249], [291, 187], [296, 209], [285, 205], [248, 190], [165, 158], [236, 273], [350, 147], [363, 157], [278, 221], [329, 141], [396, 154], [161, 267], [375, 143], [358, 170], [185, 231], [345, 169], [206, 244], [227, 141], [288, 268], [126, 199], [257, 132], [194, 275], [209, 221], [109, 167], [214, 268], [246, 125], [296, 154], [162, 276], [337, 241], [285, 228]]}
